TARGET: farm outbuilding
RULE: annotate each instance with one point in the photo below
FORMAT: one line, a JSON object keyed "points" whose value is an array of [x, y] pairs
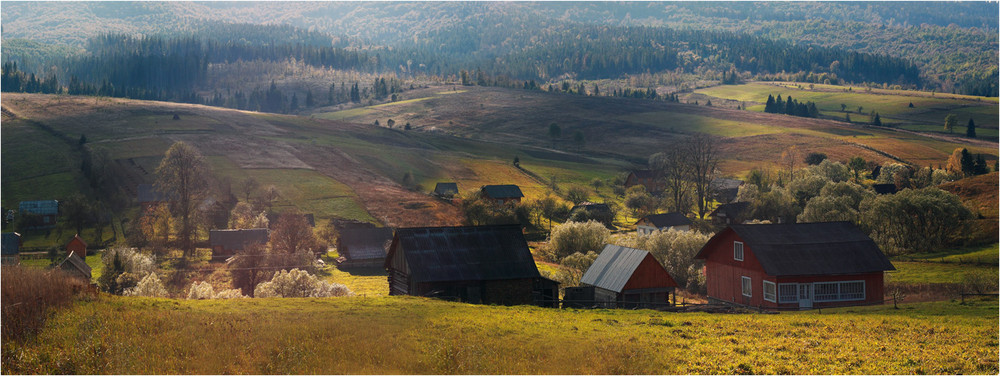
{"points": [[11, 248], [474, 264], [724, 190], [733, 213], [645, 178], [662, 222], [623, 277], [502, 194], [363, 247], [77, 246], [44, 212], [76, 267], [226, 243], [446, 190], [794, 266]]}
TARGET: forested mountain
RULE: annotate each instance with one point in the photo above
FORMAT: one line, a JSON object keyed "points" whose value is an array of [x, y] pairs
{"points": [[940, 46]]}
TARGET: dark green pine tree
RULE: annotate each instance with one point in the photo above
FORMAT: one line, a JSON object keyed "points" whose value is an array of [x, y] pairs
{"points": [[968, 164], [877, 121], [769, 106], [971, 130]]}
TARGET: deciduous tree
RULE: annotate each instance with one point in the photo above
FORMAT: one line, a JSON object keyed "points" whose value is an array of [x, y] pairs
{"points": [[182, 177]]}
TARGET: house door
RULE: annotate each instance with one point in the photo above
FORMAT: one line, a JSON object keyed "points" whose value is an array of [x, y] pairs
{"points": [[805, 296]]}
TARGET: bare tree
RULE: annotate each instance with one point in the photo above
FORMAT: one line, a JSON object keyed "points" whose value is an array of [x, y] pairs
{"points": [[182, 176], [251, 266], [703, 157], [268, 196], [292, 234], [788, 158], [674, 167], [248, 186]]}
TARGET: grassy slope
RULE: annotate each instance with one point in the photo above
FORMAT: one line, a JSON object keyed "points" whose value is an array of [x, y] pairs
{"points": [[416, 335], [927, 113]]}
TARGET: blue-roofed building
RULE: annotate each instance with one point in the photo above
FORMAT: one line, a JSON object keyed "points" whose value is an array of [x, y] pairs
{"points": [[42, 213], [11, 248]]}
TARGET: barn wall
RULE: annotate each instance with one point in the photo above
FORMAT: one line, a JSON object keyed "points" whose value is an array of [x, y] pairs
{"points": [[75, 246], [723, 273], [508, 292], [649, 274]]}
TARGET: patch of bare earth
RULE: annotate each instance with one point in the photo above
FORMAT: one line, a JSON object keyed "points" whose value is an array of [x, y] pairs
{"points": [[384, 199]]}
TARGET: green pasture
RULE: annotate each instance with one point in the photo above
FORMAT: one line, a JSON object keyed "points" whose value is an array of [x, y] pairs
{"points": [[685, 123]]}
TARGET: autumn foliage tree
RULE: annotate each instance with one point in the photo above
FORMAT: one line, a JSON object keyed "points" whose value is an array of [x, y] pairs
{"points": [[181, 176]]}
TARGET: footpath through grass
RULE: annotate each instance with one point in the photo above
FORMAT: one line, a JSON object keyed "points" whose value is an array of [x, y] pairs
{"points": [[418, 336]]}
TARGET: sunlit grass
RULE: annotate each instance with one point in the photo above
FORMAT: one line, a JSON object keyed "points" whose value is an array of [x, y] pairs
{"points": [[420, 336]]}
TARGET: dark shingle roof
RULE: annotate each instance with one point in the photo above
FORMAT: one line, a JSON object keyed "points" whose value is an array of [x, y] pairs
{"points": [[364, 243], [502, 191], [469, 253], [614, 267], [446, 189], [237, 239], [148, 193], [668, 220], [75, 264], [46, 207], [822, 248], [731, 209], [725, 183], [11, 243]]}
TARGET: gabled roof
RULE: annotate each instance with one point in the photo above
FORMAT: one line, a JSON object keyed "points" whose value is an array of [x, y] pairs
{"points": [[467, 253], [502, 191], [822, 248], [446, 189], [77, 238], [667, 220], [725, 183], [237, 239], [11, 243], [732, 208], [75, 264], [46, 207], [148, 193], [643, 174], [364, 243], [614, 267]]}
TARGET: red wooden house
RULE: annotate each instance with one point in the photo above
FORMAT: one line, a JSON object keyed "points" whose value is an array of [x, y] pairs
{"points": [[78, 246], [646, 178], [794, 266]]}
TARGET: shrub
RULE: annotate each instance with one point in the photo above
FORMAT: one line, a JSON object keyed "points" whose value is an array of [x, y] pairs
{"points": [[979, 282], [299, 284], [123, 268], [150, 287], [573, 237], [201, 290], [229, 294], [28, 297], [914, 220]]}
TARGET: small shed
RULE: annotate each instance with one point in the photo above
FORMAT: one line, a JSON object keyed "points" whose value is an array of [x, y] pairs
{"points": [[625, 277], [662, 222], [10, 243], [794, 266], [502, 194], [645, 178], [363, 247], [226, 243], [446, 190], [730, 214], [475, 264], [44, 212], [76, 267], [77, 246]]}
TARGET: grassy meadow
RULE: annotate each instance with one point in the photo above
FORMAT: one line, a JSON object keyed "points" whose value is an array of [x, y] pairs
{"points": [[408, 335]]}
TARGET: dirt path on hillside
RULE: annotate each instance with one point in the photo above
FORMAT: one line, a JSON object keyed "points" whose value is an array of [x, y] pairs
{"points": [[385, 200]]}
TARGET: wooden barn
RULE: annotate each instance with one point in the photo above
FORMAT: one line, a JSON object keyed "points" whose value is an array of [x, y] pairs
{"points": [[474, 264], [724, 190], [446, 190], [645, 178], [502, 194], [662, 222], [78, 246], [794, 266], [226, 243], [623, 277], [363, 247], [76, 267], [11, 248]]}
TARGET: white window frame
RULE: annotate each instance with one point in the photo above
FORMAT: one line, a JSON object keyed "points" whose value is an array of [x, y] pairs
{"points": [[773, 296], [738, 251], [785, 298], [837, 295], [747, 286]]}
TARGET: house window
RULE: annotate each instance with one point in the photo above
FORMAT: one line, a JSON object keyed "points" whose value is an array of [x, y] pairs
{"points": [[788, 292], [839, 291], [747, 287], [769, 291], [738, 251]]}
